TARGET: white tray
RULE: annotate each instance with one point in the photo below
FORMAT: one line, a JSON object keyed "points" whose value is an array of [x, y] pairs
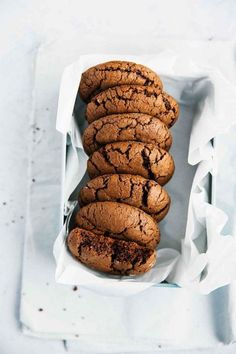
{"points": [[173, 227]]}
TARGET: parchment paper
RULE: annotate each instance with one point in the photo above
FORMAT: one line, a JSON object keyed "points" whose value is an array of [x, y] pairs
{"points": [[192, 246]]}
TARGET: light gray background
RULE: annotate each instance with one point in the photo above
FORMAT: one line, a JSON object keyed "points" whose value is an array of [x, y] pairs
{"points": [[25, 25]]}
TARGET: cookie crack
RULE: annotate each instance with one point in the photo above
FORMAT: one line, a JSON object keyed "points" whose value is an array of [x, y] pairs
{"points": [[166, 103], [107, 158], [94, 165], [161, 157], [141, 225], [145, 191], [131, 191], [147, 82], [146, 162], [134, 90], [103, 188], [102, 102]]}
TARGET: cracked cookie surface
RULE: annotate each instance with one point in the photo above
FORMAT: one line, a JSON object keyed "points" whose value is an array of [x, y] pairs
{"points": [[110, 255], [126, 127], [134, 190], [134, 158], [120, 221], [113, 73], [133, 99]]}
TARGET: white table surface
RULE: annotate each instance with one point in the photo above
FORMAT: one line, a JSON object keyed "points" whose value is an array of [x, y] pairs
{"points": [[25, 25]]}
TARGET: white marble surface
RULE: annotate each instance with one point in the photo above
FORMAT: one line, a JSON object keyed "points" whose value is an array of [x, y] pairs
{"points": [[24, 26]]}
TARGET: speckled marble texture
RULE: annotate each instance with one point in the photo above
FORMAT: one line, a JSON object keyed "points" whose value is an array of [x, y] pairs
{"points": [[25, 26]]}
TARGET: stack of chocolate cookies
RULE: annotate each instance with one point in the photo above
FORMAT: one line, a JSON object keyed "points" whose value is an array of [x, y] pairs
{"points": [[127, 140]]}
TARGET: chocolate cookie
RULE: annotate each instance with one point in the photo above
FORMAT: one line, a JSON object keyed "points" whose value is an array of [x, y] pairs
{"points": [[133, 99], [126, 127], [113, 73], [110, 255], [120, 221], [134, 190], [134, 158]]}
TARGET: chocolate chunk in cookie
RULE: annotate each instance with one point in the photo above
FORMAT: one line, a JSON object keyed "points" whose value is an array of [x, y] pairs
{"points": [[120, 221], [126, 127], [134, 190], [110, 255], [133, 99], [113, 73], [134, 158]]}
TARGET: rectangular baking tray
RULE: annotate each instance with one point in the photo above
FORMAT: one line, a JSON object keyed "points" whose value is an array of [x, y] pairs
{"points": [[184, 171]]}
